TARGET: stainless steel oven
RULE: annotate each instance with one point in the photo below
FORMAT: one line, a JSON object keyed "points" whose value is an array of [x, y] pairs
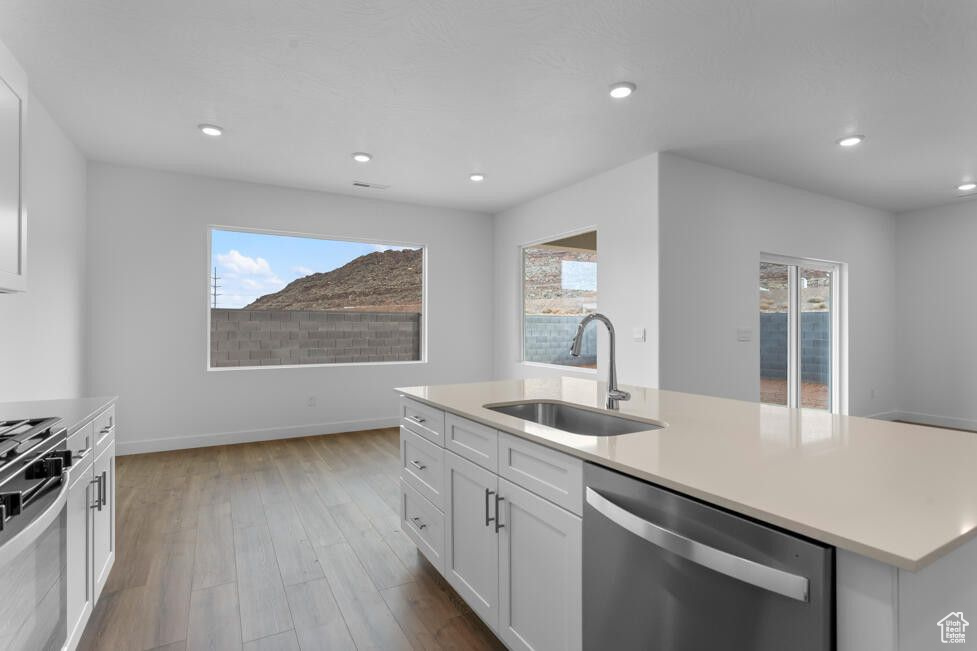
{"points": [[33, 552], [665, 572]]}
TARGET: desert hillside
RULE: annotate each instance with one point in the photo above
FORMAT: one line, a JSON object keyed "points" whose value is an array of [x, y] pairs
{"points": [[385, 281]]}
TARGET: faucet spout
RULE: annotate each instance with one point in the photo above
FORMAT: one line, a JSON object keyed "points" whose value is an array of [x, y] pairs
{"points": [[614, 395]]}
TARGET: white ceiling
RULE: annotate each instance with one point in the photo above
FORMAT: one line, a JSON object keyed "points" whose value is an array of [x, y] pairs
{"points": [[436, 89]]}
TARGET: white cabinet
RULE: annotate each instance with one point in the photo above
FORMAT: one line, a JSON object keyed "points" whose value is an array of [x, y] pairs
{"points": [[103, 548], [423, 419], [540, 580], [80, 598], [90, 520], [471, 558], [13, 112], [473, 441], [503, 524], [422, 466], [546, 472], [103, 428], [423, 523]]}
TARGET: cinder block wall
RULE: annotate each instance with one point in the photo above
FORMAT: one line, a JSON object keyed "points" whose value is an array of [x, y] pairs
{"points": [[815, 346], [280, 337], [547, 340]]}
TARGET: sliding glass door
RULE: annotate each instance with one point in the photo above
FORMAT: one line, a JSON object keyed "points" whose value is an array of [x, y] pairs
{"points": [[799, 332]]}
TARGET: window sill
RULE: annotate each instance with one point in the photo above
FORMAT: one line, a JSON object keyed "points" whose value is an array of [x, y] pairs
{"points": [[220, 369], [561, 367]]}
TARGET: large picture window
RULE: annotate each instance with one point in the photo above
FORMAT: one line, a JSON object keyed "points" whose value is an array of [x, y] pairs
{"points": [[559, 287], [285, 300]]}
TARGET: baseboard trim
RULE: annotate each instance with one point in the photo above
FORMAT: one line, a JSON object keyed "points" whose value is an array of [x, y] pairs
{"points": [[886, 415], [249, 436], [930, 419]]}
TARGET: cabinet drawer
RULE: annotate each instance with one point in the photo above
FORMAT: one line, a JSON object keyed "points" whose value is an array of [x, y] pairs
{"points": [[104, 429], [423, 523], [473, 441], [105, 421], [550, 474], [81, 467], [422, 466], [422, 419], [83, 439]]}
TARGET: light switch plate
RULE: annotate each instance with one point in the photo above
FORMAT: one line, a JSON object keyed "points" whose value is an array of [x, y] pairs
{"points": [[744, 334], [638, 334]]}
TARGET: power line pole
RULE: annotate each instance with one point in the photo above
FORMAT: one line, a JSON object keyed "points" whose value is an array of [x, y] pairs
{"points": [[214, 287]]}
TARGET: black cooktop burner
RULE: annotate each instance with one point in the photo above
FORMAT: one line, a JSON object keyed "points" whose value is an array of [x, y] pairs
{"points": [[18, 437], [33, 457]]}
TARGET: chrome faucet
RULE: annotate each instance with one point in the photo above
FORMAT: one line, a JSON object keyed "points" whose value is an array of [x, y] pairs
{"points": [[614, 395]]}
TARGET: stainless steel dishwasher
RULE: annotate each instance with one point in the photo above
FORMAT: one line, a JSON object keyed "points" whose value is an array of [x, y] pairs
{"points": [[664, 572]]}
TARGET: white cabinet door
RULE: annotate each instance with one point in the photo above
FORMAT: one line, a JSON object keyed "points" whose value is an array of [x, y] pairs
{"points": [[540, 573], [471, 559], [104, 538], [80, 529]]}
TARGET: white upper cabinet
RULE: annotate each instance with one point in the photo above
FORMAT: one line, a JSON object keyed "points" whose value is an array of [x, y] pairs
{"points": [[13, 212]]}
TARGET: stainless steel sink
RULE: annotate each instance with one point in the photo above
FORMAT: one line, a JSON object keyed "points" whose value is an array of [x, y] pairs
{"points": [[576, 420]]}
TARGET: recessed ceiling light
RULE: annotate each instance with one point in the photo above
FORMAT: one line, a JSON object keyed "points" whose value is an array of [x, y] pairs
{"points": [[362, 157], [476, 177], [622, 89], [967, 187], [210, 129], [851, 141]]}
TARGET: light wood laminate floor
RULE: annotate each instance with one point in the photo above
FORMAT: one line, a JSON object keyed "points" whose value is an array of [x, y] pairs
{"points": [[292, 544]]}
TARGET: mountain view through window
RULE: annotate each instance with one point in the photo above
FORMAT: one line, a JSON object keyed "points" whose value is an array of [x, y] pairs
{"points": [[282, 300]]}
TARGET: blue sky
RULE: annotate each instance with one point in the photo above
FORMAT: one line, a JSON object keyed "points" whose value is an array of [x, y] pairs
{"points": [[254, 264]]}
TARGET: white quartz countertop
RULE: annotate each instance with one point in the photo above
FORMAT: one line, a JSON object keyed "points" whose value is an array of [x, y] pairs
{"points": [[901, 494], [73, 412]]}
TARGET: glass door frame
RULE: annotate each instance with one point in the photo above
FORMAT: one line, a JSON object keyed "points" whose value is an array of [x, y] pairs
{"points": [[839, 327]]}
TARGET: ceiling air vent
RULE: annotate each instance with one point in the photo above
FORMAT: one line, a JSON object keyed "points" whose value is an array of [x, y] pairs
{"points": [[371, 186]]}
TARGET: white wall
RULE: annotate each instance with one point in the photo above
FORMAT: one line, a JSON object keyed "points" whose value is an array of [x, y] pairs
{"points": [[937, 315], [623, 205], [714, 224], [148, 250], [42, 331]]}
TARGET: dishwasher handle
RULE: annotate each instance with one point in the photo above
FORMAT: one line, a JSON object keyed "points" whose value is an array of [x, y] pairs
{"points": [[762, 576]]}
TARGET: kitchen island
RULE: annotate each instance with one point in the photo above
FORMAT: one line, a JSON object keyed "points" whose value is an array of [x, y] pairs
{"points": [[897, 501]]}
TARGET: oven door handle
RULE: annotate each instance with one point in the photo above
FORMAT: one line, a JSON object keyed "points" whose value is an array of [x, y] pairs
{"points": [[29, 534], [762, 576]]}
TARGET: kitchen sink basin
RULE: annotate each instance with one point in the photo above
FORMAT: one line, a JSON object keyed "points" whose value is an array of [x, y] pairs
{"points": [[576, 420]]}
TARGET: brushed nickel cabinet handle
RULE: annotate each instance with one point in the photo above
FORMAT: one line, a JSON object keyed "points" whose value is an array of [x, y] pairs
{"points": [[489, 519], [98, 499]]}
